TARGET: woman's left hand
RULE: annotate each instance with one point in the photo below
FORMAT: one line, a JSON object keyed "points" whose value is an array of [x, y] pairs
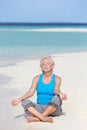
{"points": [[63, 96]]}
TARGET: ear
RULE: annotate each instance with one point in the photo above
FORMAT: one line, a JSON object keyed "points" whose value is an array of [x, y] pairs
{"points": [[40, 65], [53, 65]]}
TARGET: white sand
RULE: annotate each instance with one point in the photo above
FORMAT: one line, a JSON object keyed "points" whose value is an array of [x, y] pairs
{"points": [[16, 80]]}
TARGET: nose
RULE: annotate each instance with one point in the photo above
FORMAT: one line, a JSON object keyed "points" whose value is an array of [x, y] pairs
{"points": [[45, 65]]}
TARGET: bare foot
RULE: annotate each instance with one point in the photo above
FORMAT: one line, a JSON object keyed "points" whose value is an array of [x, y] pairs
{"points": [[32, 119], [49, 119]]}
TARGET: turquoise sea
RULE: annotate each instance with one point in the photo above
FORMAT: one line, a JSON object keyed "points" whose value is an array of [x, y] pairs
{"points": [[22, 42]]}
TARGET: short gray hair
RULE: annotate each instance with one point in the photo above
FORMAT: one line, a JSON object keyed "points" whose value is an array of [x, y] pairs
{"points": [[47, 57]]}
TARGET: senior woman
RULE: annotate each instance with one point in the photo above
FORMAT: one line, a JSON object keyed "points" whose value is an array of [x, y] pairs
{"points": [[49, 96]]}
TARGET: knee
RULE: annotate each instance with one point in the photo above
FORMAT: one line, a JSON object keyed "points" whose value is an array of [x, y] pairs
{"points": [[56, 100], [25, 102]]}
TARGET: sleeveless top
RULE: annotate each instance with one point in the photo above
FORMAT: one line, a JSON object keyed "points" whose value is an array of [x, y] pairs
{"points": [[45, 92]]}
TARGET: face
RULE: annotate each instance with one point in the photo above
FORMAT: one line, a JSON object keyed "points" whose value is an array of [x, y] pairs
{"points": [[46, 65]]}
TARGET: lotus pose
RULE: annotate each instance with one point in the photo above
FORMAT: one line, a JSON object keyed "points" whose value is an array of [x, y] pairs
{"points": [[49, 96]]}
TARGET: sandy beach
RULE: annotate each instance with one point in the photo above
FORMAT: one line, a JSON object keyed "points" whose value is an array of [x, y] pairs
{"points": [[16, 79]]}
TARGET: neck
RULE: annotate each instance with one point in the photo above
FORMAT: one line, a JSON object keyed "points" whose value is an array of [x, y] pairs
{"points": [[47, 74]]}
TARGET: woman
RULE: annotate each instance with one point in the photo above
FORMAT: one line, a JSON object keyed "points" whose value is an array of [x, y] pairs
{"points": [[49, 96]]}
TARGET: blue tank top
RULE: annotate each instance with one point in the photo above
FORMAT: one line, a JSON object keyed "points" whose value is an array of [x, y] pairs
{"points": [[45, 92]]}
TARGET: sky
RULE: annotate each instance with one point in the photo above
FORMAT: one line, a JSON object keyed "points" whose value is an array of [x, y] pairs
{"points": [[43, 11]]}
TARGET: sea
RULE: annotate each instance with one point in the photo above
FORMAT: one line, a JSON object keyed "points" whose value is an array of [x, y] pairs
{"points": [[27, 41]]}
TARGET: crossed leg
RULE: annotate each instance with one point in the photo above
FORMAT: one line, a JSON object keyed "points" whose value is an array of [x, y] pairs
{"points": [[41, 117]]}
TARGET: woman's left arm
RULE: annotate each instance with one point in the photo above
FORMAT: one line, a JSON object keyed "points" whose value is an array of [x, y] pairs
{"points": [[57, 90]]}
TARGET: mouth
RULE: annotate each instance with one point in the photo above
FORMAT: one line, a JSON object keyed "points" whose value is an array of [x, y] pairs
{"points": [[45, 68]]}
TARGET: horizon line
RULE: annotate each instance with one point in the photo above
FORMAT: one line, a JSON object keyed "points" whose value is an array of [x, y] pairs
{"points": [[42, 23]]}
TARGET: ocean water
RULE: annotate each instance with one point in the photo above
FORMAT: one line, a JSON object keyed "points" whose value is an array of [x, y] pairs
{"points": [[24, 42]]}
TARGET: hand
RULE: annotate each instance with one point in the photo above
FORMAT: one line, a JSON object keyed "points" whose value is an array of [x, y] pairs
{"points": [[15, 102], [63, 96]]}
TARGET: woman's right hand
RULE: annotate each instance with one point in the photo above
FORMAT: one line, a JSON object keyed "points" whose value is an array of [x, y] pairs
{"points": [[15, 102]]}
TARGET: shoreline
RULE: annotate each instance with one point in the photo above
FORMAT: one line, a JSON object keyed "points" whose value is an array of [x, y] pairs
{"points": [[17, 60], [48, 29]]}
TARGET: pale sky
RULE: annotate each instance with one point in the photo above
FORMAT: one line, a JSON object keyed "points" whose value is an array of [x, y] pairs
{"points": [[43, 11]]}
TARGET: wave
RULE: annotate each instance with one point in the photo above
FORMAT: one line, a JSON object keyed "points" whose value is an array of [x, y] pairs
{"points": [[47, 30]]}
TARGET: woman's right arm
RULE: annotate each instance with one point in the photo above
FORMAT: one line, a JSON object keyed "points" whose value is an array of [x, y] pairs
{"points": [[29, 94]]}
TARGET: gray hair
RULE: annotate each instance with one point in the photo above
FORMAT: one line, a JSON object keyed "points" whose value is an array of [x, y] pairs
{"points": [[47, 57]]}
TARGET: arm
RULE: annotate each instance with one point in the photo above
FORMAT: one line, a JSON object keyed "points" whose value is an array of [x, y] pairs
{"points": [[57, 90], [29, 94]]}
